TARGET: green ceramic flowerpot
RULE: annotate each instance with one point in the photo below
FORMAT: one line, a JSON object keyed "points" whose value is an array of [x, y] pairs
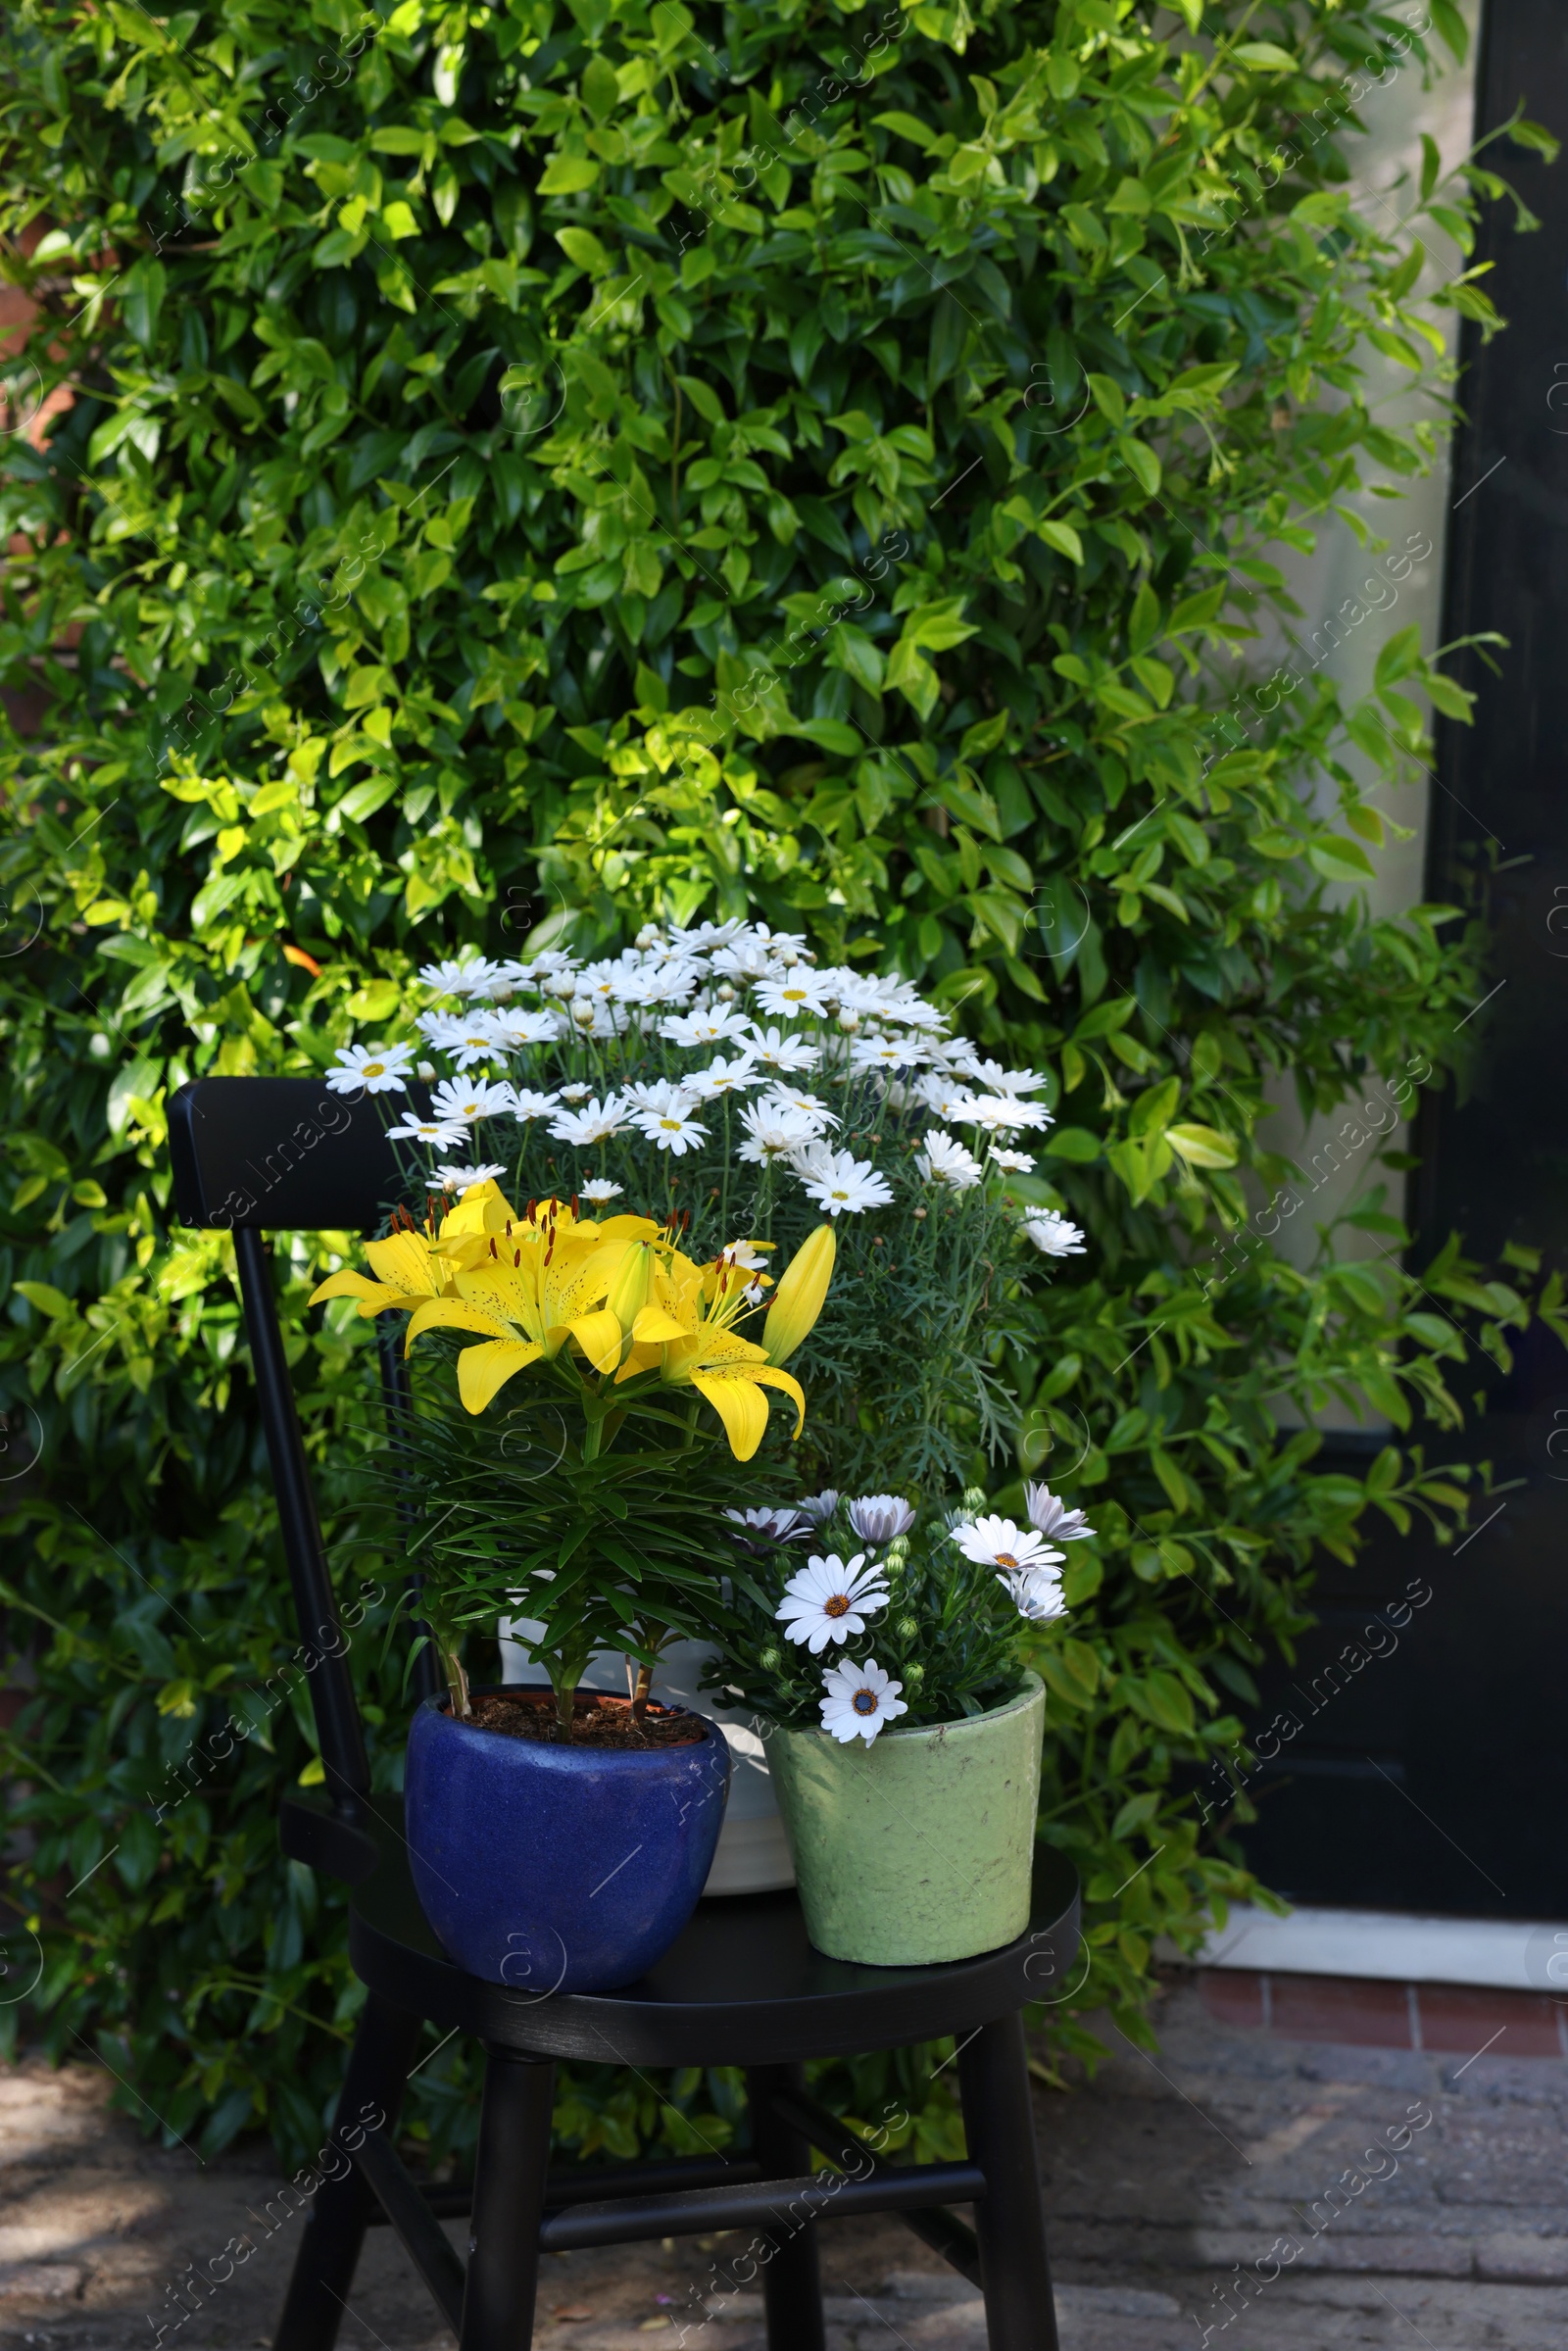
{"points": [[918, 1847]]}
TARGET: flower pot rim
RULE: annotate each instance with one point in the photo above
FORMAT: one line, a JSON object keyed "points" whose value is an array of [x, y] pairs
{"points": [[1030, 1686], [637, 1758]]}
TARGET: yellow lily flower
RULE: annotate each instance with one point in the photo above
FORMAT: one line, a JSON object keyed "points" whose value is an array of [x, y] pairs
{"points": [[408, 1267], [534, 1289], [406, 1270], [674, 1336]]}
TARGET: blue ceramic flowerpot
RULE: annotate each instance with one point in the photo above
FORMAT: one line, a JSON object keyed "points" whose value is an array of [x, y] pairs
{"points": [[558, 1868]]}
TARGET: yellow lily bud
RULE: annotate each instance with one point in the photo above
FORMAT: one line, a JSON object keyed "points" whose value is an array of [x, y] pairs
{"points": [[627, 1294], [798, 1300]]}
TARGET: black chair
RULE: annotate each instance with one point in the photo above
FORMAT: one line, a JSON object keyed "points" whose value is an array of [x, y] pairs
{"points": [[742, 1986]]}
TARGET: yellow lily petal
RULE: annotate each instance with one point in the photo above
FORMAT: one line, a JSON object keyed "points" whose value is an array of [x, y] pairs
{"points": [[482, 1209], [456, 1314], [791, 1386], [597, 1335], [641, 1359], [743, 1411], [355, 1284], [654, 1327], [404, 1263], [483, 1370], [622, 1228]]}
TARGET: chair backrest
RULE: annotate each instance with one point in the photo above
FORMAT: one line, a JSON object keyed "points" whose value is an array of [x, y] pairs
{"points": [[253, 1156], [278, 1155]]}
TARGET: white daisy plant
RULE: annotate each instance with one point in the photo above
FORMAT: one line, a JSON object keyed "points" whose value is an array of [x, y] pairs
{"points": [[961, 1600], [724, 1076]]}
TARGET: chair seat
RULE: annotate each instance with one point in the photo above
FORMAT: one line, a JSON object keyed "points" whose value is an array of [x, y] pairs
{"points": [[740, 1986]]}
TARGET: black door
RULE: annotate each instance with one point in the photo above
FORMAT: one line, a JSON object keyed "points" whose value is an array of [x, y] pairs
{"points": [[1434, 1775]]}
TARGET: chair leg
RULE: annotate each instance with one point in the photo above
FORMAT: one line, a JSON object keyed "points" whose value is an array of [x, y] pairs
{"points": [[509, 2199], [791, 2282], [329, 2250], [1009, 2219]]}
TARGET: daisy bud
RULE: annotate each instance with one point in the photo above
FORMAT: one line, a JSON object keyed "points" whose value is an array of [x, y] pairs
{"points": [[908, 1630], [798, 1300], [424, 1071], [726, 993], [771, 1660], [582, 1013], [849, 1022], [913, 1676], [898, 1550], [974, 1498]]}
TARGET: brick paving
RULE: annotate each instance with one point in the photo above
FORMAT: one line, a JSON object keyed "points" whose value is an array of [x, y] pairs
{"points": [[1286, 2192]]}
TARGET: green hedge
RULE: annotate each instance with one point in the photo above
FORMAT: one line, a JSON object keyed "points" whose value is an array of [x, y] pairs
{"points": [[533, 466]]}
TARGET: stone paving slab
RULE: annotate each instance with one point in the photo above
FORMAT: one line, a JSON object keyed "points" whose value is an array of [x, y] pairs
{"points": [[1168, 2181]]}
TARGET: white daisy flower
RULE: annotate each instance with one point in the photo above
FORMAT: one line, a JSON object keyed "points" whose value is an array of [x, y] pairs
{"points": [[877, 1517], [890, 1053], [458, 1179], [442, 1133], [709, 1024], [470, 1097], [599, 1190], [997, 1543], [667, 984], [1004, 1114], [553, 963], [747, 960], [1053, 1236], [808, 1107], [1009, 1162], [657, 1094], [776, 1525], [527, 1103], [721, 1077], [673, 1130], [917, 1015], [604, 980], [801, 990], [1051, 1516], [1036, 1594], [822, 1600], [860, 1699], [1008, 1081], [840, 1183], [458, 975], [949, 1097], [465, 1040], [371, 1069], [948, 1162], [859, 991], [575, 1093], [772, 1049], [595, 1122], [819, 1507], [772, 1133], [519, 1027], [710, 935]]}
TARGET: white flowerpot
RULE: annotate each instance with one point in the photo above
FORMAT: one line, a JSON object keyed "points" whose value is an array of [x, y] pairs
{"points": [[754, 1855]]}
